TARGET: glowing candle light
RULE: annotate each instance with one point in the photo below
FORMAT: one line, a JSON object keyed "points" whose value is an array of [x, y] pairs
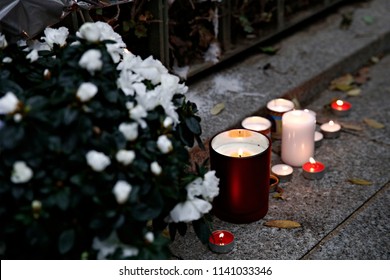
{"points": [[221, 241], [340, 107], [313, 170]]}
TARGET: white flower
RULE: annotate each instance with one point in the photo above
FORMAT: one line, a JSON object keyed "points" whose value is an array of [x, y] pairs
{"points": [[210, 187], [167, 122], [21, 173], [125, 157], [90, 32], [17, 117], [155, 168], [164, 144], [110, 244], [33, 55], [194, 188], [190, 210], [7, 59], [149, 237], [86, 91], [121, 190], [151, 69], [3, 41], [8, 103], [97, 161], [36, 205], [56, 36], [91, 60], [129, 130], [138, 113]]}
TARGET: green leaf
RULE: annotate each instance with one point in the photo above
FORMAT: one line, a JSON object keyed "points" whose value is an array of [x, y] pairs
{"points": [[62, 199], [202, 230], [70, 115], [368, 20], [269, 50], [193, 125], [66, 241]]}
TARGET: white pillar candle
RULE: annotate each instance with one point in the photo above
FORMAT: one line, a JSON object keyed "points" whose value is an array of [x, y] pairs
{"points": [[297, 137]]}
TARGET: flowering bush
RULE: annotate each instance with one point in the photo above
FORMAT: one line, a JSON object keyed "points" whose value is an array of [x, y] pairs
{"points": [[94, 150]]}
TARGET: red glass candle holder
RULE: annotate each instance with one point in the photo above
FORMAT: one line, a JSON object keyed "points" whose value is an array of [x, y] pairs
{"points": [[241, 159]]}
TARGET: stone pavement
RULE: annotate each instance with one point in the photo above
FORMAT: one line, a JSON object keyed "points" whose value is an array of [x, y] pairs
{"points": [[340, 220]]}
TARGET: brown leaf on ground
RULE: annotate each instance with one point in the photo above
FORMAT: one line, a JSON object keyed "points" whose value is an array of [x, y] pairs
{"points": [[351, 126], [362, 76], [282, 224], [343, 83], [358, 181], [354, 92], [217, 109], [373, 123]]}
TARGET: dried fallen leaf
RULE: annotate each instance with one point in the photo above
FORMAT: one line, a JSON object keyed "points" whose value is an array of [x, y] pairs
{"points": [[362, 76], [279, 196], [375, 59], [217, 109], [358, 181], [354, 92], [282, 224], [373, 123], [343, 83], [351, 126], [297, 105]]}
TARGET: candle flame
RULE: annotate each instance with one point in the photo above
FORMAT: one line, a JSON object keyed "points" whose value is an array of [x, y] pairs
{"points": [[339, 102], [331, 123], [221, 235], [312, 160], [240, 152]]}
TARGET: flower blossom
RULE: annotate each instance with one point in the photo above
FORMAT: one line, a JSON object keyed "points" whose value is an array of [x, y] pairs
{"points": [[121, 190], [164, 144], [110, 244], [190, 210], [210, 187], [125, 157], [149, 237], [194, 188], [3, 41], [138, 113], [129, 130], [21, 173], [155, 168], [97, 161], [8, 103], [33, 55], [92, 61], [86, 91], [56, 36], [7, 59]]}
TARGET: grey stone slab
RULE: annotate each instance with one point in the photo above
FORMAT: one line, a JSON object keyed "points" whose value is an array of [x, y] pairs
{"points": [[307, 60], [365, 235]]}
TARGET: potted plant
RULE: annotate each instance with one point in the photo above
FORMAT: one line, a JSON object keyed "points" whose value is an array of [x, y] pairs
{"points": [[94, 158]]}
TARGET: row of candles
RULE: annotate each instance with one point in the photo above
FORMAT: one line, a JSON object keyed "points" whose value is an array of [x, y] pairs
{"points": [[235, 153]]}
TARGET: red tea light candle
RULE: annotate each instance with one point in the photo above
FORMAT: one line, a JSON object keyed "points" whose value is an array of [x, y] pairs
{"points": [[283, 172], [221, 241], [318, 136], [340, 107], [331, 129], [313, 170]]}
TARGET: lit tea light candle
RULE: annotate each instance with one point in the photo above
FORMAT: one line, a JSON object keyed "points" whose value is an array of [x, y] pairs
{"points": [[221, 241], [283, 172], [340, 107], [331, 129], [313, 170], [318, 136], [276, 109], [258, 124], [241, 153]]}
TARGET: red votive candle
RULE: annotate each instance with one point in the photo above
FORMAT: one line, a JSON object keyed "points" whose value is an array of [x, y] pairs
{"points": [[221, 241], [340, 107], [313, 170]]}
